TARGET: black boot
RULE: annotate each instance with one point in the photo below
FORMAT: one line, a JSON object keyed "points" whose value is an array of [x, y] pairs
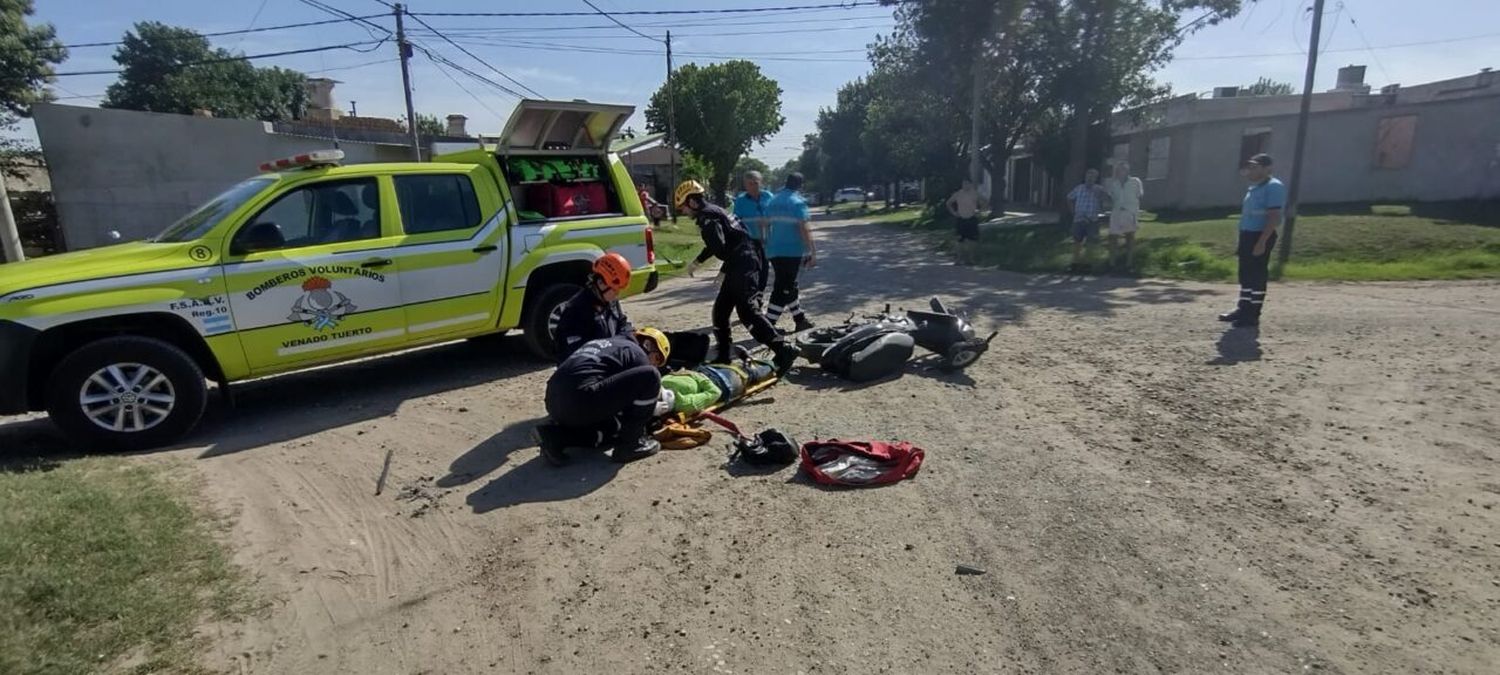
{"points": [[1250, 319], [628, 451], [786, 357], [803, 325], [551, 439], [723, 346], [1233, 314]]}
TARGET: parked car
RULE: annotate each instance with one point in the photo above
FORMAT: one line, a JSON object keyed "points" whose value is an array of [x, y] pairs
{"points": [[849, 194], [311, 263]]}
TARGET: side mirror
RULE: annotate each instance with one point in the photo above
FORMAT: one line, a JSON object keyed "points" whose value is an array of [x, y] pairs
{"points": [[258, 237]]}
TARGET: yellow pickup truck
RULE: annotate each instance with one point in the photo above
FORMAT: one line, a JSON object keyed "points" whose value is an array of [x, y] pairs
{"points": [[311, 263]]}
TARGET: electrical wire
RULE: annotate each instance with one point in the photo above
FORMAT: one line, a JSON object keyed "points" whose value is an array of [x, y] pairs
{"points": [[758, 21], [619, 23], [669, 12], [255, 17], [1373, 55], [222, 33], [315, 4], [474, 56], [460, 85], [437, 56], [502, 33], [350, 46]]}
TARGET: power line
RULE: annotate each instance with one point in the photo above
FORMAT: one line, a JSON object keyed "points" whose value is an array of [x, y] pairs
{"points": [[221, 33], [460, 85], [1361, 33], [619, 23], [315, 4], [1367, 47], [761, 56], [758, 21], [501, 33], [350, 46], [436, 56], [668, 12], [253, 19], [486, 64]]}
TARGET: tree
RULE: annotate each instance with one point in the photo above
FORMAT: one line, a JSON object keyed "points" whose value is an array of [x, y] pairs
{"points": [[721, 110], [170, 69], [27, 54], [1266, 86], [748, 164], [696, 168], [777, 176], [430, 125]]}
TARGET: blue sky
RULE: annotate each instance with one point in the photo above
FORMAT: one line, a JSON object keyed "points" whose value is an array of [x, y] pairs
{"points": [[1267, 39]]}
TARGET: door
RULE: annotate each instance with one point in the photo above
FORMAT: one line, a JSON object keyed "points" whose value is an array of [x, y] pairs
{"points": [[564, 126], [313, 276], [453, 256]]}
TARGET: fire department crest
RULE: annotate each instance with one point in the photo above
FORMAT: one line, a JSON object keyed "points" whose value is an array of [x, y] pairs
{"points": [[320, 306]]}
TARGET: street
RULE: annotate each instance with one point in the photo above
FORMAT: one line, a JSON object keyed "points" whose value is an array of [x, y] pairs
{"points": [[1144, 491]]}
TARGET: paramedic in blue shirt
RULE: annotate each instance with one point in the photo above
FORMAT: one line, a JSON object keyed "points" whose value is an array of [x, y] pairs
{"points": [[1260, 215], [750, 207], [789, 246]]}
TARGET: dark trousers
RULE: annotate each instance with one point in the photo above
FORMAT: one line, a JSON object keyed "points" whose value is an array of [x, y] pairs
{"points": [[785, 294], [618, 406], [738, 296], [765, 265], [1255, 270]]}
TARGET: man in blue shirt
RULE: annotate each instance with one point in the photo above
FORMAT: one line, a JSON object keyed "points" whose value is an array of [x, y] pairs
{"points": [[750, 207], [789, 246], [1260, 215]]}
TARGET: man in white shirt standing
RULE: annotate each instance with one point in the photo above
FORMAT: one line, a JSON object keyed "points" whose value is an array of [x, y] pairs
{"points": [[1125, 192], [963, 206]]}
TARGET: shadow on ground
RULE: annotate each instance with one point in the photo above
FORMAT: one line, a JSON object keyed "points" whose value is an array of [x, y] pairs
{"points": [[536, 481], [283, 408], [1237, 345]]}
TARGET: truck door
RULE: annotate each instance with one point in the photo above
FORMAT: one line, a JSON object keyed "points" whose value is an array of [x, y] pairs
{"points": [[313, 276], [453, 253]]}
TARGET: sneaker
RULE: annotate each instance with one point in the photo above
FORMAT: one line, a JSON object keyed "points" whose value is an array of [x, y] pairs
{"points": [[1231, 315], [803, 325], [786, 357], [548, 438], [642, 448]]}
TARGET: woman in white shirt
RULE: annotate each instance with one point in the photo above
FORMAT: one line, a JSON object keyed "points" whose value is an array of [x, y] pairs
{"points": [[1125, 192]]}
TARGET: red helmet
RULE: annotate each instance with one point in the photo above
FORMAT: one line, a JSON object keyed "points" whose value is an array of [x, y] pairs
{"points": [[614, 270]]}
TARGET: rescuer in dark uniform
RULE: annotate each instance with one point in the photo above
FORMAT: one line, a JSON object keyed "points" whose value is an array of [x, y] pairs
{"points": [[594, 312], [604, 394], [726, 239]]}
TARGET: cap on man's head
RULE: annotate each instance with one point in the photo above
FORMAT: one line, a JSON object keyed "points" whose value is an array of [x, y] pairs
{"points": [[1262, 159], [795, 180]]}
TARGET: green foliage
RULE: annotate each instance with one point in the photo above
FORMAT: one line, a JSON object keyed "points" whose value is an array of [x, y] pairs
{"points": [[430, 125], [27, 54], [777, 177], [696, 168], [1266, 86], [721, 110], [101, 562], [170, 69], [748, 164]]}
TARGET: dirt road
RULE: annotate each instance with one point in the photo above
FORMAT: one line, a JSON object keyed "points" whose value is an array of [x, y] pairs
{"points": [[1146, 492]]}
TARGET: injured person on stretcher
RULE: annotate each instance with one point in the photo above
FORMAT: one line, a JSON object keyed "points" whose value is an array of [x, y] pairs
{"points": [[611, 393]]}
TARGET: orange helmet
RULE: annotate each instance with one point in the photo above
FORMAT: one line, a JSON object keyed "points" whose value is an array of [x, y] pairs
{"points": [[614, 270]]}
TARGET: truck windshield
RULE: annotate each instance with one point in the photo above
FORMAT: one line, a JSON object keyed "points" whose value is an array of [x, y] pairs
{"points": [[205, 217]]}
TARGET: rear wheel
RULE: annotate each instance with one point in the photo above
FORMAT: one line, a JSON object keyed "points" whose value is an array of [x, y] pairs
{"points": [[127, 393], [541, 316]]}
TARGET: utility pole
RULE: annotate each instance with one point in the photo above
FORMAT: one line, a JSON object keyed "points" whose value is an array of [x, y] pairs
{"points": [[10, 239], [1307, 90], [405, 48], [671, 130], [974, 122]]}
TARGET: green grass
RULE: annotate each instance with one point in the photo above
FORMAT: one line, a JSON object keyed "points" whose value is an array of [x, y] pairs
{"points": [[676, 245], [105, 566], [1343, 242]]}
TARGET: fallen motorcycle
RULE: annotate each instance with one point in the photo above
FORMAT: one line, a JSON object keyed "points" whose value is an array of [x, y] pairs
{"points": [[880, 345]]}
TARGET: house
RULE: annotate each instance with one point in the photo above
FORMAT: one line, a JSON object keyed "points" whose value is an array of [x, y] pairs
{"points": [[1432, 142], [649, 161], [134, 173]]}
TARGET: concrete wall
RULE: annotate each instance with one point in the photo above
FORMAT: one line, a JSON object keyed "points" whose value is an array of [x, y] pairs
{"points": [[1456, 155], [137, 172]]}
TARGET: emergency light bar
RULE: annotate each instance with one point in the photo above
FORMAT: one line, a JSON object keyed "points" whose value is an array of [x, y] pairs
{"points": [[314, 158]]}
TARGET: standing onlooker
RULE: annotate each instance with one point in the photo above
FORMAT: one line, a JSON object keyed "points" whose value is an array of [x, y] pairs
{"points": [[790, 247], [964, 207], [1125, 192], [751, 208], [655, 212], [1260, 215], [1086, 201]]}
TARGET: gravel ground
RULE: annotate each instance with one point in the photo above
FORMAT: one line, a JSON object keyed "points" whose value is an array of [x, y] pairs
{"points": [[1145, 491]]}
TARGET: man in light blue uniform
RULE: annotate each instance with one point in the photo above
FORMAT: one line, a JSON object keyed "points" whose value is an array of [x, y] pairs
{"points": [[1260, 215], [790, 248], [751, 208]]}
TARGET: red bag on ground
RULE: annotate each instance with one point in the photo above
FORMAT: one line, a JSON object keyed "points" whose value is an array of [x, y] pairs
{"points": [[860, 463]]}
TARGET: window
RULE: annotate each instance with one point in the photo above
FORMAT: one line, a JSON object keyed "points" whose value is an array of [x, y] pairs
{"points": [[1393, 141], [322, 213], [1255, 141], [205, 217], [1157, 155], [436, 203]]}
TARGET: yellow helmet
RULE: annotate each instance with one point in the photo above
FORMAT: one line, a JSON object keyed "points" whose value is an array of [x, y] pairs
{"points": [[657, 338], [684, 190]]}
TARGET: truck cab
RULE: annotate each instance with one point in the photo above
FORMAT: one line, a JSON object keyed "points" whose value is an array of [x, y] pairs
{"points": [[310, 263]]}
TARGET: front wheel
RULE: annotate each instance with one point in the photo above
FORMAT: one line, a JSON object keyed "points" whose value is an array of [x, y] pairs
{"points": [[127, 393], [541, 318]]}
